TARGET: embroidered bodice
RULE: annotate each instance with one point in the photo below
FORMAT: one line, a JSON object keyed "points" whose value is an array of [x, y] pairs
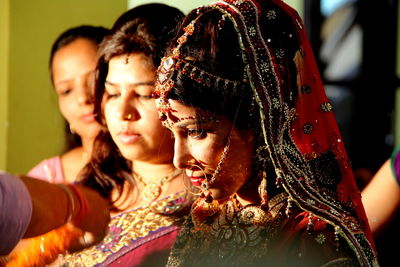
{"points": [[250, 236], [130, 229]]}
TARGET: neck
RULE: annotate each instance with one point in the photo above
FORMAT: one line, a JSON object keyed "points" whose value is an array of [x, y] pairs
{"points": [[87, 144], [152, 171], [248, 193], [245, 201]]}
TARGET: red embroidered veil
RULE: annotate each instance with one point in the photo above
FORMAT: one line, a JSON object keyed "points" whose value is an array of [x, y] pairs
{"points": [[297, 123]]}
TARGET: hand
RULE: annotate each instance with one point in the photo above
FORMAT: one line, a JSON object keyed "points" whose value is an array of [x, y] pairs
{"points": [[92, 219]]}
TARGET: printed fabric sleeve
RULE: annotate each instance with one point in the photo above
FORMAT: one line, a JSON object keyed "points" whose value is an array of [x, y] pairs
{"points": [[15, 211], [395, 164]]}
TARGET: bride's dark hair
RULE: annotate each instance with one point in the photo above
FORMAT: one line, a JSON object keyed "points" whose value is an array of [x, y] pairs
{"points": [[210, 74], [213, 49]]}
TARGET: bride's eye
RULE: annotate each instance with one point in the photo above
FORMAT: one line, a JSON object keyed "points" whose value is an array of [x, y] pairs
{"points": [[197, 133]]}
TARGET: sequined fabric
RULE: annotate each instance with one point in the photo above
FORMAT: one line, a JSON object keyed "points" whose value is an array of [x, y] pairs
{"points": [[250, 236], [395, 164], [129, 230]]}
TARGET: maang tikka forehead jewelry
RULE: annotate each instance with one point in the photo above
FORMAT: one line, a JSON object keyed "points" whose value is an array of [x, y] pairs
{"points": [[165, 71], [184, 66], [164, 83]]}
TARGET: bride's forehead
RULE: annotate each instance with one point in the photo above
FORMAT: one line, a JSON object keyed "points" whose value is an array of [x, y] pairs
{"points": [[179, 107]]}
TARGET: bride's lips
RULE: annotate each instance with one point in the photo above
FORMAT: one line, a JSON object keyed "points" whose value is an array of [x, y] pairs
{"points": [[128, 138], [196, 180]]}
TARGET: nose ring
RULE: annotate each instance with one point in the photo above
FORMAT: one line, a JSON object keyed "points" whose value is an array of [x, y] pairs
{"points": [[129, 116], [191, 162]]}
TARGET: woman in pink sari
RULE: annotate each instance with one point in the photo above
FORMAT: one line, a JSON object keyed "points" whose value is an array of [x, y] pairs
{"points": [[73, 61]]}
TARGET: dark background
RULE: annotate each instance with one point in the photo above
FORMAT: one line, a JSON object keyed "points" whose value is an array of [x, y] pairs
{"points": [[361, 37]]}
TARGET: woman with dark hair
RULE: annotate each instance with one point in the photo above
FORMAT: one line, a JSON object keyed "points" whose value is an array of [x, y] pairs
{"points": [[73, 60], [254, 131], [131, 163]]}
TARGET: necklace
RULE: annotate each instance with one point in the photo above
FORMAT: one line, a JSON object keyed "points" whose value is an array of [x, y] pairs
{"points": [[153, 189]]}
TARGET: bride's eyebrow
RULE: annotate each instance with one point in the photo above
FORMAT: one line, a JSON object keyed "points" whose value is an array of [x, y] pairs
{"points": [[183, 123]]}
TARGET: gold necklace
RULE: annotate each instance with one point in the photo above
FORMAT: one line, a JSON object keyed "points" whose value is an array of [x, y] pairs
{"points": [[153, 189]]}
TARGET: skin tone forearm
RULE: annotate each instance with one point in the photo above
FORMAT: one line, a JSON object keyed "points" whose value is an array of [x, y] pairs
{"points": [[78, 215], [50, 206], [381, 198]]}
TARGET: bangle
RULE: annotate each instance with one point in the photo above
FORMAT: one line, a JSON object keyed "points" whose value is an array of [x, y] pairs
{"points": [[44, 249], [71, 201], [84, 206]]}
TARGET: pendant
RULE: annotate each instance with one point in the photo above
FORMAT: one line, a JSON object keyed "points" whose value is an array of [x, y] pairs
{"points": [[151, 191]]}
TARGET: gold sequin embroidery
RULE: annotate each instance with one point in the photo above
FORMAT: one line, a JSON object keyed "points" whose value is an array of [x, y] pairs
{"points": [[126, 228]]}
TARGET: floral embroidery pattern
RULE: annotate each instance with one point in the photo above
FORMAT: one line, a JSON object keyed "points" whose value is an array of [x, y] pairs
{"points": [[128, 228]]}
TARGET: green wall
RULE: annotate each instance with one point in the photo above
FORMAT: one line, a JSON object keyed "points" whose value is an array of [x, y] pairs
{"points": [[4, 46], [187, 5], [184, 5], [28, 103], [31, 127], [397, 96]]}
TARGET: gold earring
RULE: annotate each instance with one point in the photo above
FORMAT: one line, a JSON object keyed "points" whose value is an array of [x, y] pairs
{"points": [[71, 129], [262, 187]]}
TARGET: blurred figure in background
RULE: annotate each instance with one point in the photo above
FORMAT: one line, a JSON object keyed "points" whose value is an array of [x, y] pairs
{"points": [[381, 197], [73, 60]]}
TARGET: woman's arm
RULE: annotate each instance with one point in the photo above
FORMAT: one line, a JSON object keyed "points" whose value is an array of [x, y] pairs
{"points": [[381, 197], [31, 207]]}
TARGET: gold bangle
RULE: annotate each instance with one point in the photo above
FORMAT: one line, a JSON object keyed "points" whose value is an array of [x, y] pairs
{"points": [[71, 202]]}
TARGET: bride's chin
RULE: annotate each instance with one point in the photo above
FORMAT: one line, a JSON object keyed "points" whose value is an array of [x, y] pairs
{"points": [[216, 194]]}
